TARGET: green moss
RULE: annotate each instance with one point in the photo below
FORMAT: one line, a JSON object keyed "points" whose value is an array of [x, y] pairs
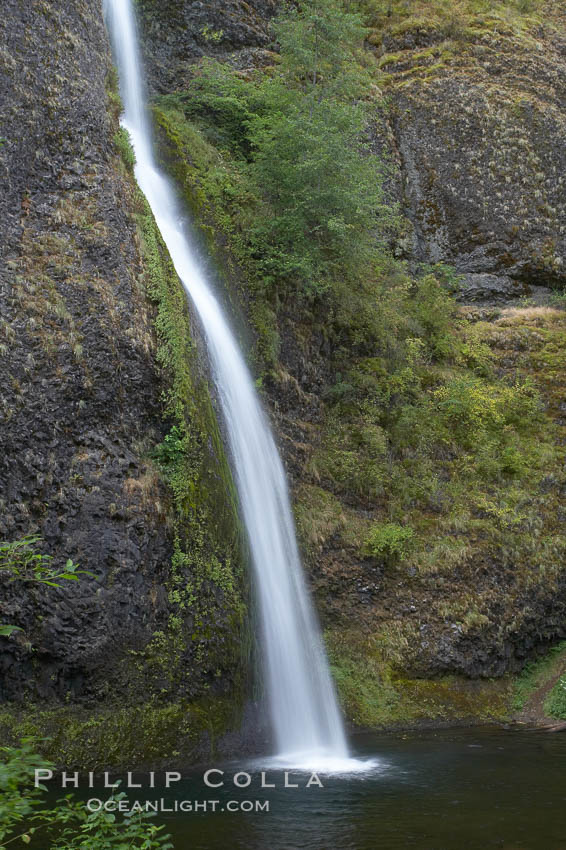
{"points": [[122, 142], [151, 733], [373, 695], [206, 587], [555, 703]]}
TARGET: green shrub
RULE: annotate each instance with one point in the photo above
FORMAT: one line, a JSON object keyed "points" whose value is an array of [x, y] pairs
{"points": [[389, 542], [555, 703], [301, 135], [20, 561], [125, 149], [25, 814]]}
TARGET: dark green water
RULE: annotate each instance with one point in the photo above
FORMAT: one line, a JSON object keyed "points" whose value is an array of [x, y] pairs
{"points": [[470, 789]]}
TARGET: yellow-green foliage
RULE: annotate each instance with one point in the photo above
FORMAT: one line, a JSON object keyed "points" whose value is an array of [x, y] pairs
{"points": [[389, 541], [455, 18], [451, 31], [122, 142], [555, 703]]}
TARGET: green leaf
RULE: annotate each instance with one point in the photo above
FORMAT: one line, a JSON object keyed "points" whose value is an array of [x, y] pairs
{"points": [[6, 631]]}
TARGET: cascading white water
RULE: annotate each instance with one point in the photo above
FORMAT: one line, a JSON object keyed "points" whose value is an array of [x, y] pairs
{"points": [[306, 722]]}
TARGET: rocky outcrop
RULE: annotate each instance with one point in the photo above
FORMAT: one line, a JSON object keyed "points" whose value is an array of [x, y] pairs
{"points": [[178, 34], [477, 114], [474, 121]]}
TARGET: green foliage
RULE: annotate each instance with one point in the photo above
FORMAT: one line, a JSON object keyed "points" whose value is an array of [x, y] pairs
{"points": [[25, 815], [19, 561], [389, 541], [209, 34], [471, 410], [323, 190], [457, 20], [302, 135], [337, 462], [6, 631], [433, 313], [125, 149], [555, 703], [170, 451], [223, 103], [537, 674], [311, 157], [18, 798], [558, 300]]}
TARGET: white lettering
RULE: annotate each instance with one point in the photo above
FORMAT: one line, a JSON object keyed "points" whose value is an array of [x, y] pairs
{"points": [[213, 784], [42, 775], [264, 783], [72, 779], [287, 783], [171, 776]]}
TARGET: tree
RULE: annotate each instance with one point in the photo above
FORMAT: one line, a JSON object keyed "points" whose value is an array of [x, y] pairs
{"points": [[311, 155]]}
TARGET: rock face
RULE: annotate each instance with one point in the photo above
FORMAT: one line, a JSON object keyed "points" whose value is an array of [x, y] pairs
{"points": [[81, 403], [178, 34], [80, 386], [478, 123], [475, 124]]}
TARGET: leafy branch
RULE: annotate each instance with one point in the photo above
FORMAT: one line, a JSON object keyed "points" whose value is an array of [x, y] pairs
{"points": [[19, 561], [69, 825]]}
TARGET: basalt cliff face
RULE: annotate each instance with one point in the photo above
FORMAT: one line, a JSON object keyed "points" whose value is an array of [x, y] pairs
{"points": [[110, 450], [477, 118], [80, 388], [474, 124], [90, 392]]}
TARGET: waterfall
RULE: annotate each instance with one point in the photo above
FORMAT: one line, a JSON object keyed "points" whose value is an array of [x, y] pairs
{"points": [[304, 712]]}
